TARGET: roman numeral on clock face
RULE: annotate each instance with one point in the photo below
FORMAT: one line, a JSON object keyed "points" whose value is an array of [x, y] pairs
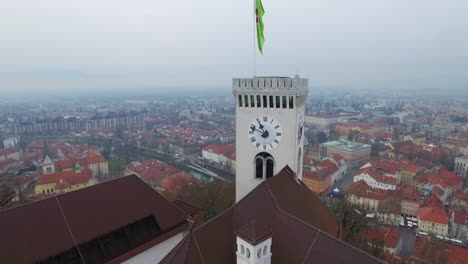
{"points": [[252, 139]]}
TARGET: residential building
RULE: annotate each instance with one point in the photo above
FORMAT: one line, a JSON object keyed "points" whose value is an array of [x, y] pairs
{"points": [[433, 219], [118, 221], [10, 142], [390, 238], [410, 198], [325, 122], [389, 212], [376, 179], [459, 224], [361, 194], [14, 153], [433, 250], [407, 173], [355, 153], [218, 153], [65, 181], [151, 171], [460, 201], [461, 166], [318, 177]]}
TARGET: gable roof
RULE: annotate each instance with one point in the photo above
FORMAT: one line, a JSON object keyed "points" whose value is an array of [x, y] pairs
{"points": [[90, 213], [433, 214], [71, 177], [280, 206]]}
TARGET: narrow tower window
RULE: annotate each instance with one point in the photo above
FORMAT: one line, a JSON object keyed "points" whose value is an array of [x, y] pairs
{"points": [[240, 100], [259, 102], [269, 167], [264, 166], [284, 102], [259, 167], [271, 101], [246, 100], [265, 101], [278, 103], [291, 102], [252, 101]]}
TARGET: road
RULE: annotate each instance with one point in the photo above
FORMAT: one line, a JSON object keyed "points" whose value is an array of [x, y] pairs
{"points": [[408, 238], [344, 183]]}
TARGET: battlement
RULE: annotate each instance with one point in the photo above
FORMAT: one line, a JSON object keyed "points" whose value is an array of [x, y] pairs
{"points": [[268, 85]]}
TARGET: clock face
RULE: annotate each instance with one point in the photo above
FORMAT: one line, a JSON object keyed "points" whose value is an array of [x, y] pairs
{"points": [[265, 133]]}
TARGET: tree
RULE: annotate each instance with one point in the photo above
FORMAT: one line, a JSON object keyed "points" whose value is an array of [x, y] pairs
{"points": [[352, 218], [211, 196], [7, 193]]}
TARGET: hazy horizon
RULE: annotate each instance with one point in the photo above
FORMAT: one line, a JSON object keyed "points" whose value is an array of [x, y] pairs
{"points": [[87, 46]]}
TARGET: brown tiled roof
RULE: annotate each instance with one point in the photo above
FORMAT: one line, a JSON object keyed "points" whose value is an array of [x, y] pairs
{"points": [[302, 229], [35, 231], [188, 208]]}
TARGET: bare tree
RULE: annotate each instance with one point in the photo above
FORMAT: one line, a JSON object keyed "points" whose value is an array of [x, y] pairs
{"points": [[352, 218], [7, 193]]}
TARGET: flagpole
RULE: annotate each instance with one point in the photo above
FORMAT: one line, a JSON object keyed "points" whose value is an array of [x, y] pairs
{"points": [[254, 36]]}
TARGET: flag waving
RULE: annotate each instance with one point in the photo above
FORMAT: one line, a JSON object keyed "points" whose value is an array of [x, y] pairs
{"points": [[259, 12]]}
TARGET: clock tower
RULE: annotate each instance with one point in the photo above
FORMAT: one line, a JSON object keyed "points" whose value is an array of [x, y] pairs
{"points": [[269, 128]]}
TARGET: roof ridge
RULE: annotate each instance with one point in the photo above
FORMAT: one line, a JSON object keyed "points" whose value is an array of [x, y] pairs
{"points": [[310, 248], [198, 248], [326, 234]]}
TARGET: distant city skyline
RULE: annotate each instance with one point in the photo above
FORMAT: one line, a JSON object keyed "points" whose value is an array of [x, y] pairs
{"points": [[87, 46]]}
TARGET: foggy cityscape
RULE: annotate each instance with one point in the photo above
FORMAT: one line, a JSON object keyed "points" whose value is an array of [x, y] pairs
{"points": [[234, 132]]}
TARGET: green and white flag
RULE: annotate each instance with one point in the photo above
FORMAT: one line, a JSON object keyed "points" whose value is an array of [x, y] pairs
{"points": [[259, 12]]}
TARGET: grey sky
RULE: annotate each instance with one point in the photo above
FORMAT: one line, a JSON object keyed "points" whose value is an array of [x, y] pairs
{"points": [[112, 44]]}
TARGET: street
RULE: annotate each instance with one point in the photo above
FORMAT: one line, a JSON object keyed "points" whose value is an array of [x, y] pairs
{"points": [[408, 238]]}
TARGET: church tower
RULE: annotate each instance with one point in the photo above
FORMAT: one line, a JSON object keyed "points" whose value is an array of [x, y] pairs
{"points": [[269, 128]]}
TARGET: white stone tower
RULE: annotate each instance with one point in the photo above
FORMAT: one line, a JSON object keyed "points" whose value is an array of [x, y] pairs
{"points": [[269, 128]]}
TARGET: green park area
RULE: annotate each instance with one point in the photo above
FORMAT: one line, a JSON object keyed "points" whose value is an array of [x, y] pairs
{"points": [[116, 166]]}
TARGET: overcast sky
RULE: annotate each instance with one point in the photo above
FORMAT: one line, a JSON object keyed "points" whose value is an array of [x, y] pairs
{"points": [[66, 45]]}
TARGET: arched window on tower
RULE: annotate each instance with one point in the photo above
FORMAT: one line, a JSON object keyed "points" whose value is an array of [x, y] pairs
{"points": [[264, 165]]}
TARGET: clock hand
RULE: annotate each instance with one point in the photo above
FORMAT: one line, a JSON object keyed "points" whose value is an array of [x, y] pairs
{"points": [[260, 124]]}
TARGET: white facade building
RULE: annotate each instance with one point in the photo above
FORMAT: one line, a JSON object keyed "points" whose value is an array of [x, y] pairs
{"points": [[269, 128], [374, 180]]}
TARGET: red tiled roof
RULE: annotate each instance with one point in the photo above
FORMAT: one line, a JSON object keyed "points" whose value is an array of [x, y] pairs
{"points": [[324, 169], [377, 175], [152, 169], [91, 159], [71, 177], [361, 189], [428, 250], [8, 151], [458, 255], [64, 164], [389, 236], [410, 167], [390, 205], [337, 157], [409, 193], [459, 217], [461, 196], [433, 214], [432, 201], [220, 149]]}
